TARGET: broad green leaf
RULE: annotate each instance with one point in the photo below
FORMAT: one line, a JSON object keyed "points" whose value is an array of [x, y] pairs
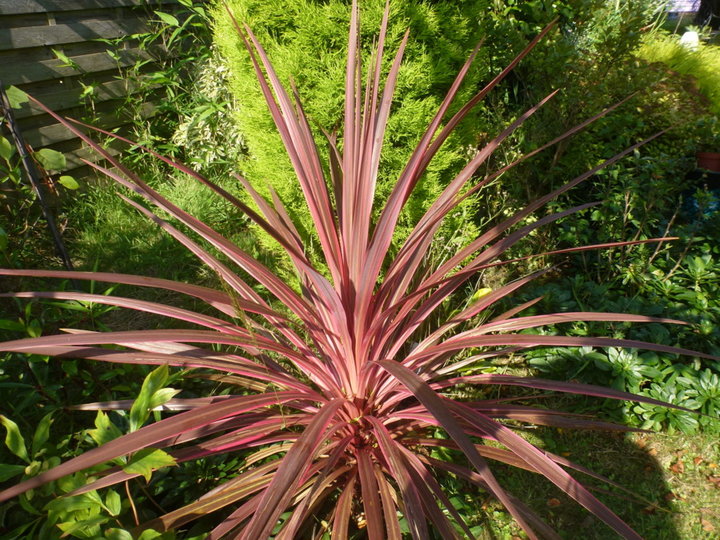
{"points": [[71, 483], [16, 97], [113, 503], [6, 149], [42, 433], [151, 534], [118, 534], [51, 160], [105, 430], [8, 471], [167, 18], [3, 239], [14, 440], [19, 533], [147, 460], [93, 497], [26, 505], [74, 503], [139, 411], [162, 396], [480, 293], [34, 328], [69, 182], [88, 528], [15, 326]]}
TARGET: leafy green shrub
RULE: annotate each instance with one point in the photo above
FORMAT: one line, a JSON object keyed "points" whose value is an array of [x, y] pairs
{"points": [[685, 288], [649, 195], [175, 47], [349, 385], [594, 66], [597, 63], [183, 78]]}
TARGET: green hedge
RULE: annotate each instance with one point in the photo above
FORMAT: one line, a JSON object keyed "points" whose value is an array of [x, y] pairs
{"points": [[307, 42]]}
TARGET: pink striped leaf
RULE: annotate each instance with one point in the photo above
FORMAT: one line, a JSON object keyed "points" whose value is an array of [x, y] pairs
{"points": [[532, 340], [142, 305], [411, 505], [545, 531], [439, 410], [343, 509], [279, 492], [217, 299], [554, 386], [387, 498], [370, 496]]}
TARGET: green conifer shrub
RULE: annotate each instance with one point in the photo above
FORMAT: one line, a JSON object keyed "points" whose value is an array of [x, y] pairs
{"points": [[310, 51]]}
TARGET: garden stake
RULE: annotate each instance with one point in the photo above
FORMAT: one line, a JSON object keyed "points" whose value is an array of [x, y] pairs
{"points": [[33, 175]]}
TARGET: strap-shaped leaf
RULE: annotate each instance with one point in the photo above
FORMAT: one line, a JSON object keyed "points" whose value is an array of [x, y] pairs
{"points": [[343, 509], [370, 495], [276, 496], [150, 435], [435, 405], [410, 502], [217, 299], [392, 523]]}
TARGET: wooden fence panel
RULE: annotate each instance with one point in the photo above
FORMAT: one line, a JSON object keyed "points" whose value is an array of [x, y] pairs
{"points": [[21, 7], [30, 33]]}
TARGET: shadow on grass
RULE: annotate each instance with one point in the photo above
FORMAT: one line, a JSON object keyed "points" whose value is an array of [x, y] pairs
{"points": [[614, 455]]}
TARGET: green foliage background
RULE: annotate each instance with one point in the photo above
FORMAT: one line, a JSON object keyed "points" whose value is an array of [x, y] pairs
{"points": [[307, 43], [702, 63], [590, 57]]}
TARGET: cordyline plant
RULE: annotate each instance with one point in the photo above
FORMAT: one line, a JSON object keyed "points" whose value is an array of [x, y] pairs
{"points": [[343, 392]]}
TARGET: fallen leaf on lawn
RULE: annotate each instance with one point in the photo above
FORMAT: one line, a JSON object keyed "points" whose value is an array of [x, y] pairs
{"points": [[706, 525], [552, 503], [697, 460], [677, 467], [670, 496], [715, 480]]}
